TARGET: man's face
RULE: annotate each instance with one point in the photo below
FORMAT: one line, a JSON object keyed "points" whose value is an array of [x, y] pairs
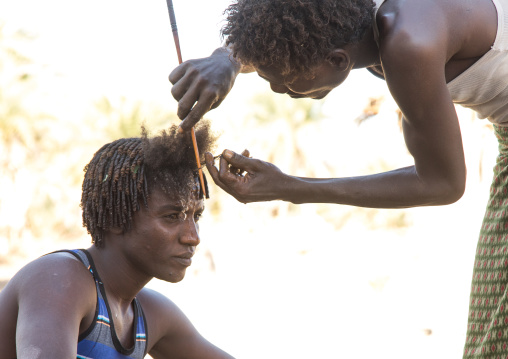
{"points": [[164, 236], [325, 79]]}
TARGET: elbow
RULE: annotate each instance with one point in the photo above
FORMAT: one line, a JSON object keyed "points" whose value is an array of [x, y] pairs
{"points": [[454, 194], [448, 192]]}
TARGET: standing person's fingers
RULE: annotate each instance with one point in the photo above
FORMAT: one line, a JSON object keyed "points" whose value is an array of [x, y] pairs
{"points": [[217, 103], [178, 73], [262, 181], [225, 175], [237, 170], [239, 161], [200, 85], [181, 87], [214, 172], [210, 166], [204, 103]]}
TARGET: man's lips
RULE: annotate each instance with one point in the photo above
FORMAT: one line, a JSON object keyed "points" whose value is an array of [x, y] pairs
{"points": [[184, 259]]}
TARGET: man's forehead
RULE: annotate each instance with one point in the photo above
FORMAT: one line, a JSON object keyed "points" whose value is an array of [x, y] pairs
{"points": [[181, 201], [274, 75]]}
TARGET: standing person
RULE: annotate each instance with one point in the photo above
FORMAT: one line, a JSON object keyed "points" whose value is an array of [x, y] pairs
{"points": [[432, 54], [141, 205]]}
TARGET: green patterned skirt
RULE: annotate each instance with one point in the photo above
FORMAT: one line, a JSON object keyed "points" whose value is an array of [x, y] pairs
{"points": [[487, 328]]}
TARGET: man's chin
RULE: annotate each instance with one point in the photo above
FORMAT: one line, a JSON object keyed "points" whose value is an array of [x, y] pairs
{"points": [[173, 277], [313, 97]]}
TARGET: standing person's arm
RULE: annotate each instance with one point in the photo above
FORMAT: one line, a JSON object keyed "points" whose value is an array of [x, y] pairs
{"points": [[202, 84], [414, 70]]}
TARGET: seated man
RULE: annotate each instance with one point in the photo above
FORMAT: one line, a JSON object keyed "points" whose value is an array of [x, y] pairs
{"points": [[141, 202]]}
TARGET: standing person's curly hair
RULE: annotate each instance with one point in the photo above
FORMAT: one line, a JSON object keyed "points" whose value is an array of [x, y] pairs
{"points": [[123, 173], [294, 35]]}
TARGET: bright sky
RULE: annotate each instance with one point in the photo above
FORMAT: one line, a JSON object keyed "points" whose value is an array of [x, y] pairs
{"points": [[119, 46], [126, 47]]}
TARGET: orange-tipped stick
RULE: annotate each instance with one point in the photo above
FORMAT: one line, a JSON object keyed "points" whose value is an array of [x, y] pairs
{"points": [[172, 20]]}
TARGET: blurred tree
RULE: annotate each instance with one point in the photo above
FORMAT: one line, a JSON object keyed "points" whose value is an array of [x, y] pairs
{"points": [[42, 155], [282, 120], [275, 123], [22, 138], [371, 110], [123, 118], [284, 130]]}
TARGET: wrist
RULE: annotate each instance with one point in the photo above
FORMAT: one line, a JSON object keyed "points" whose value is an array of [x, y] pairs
{"points": [[225, 52], [291, 190]]}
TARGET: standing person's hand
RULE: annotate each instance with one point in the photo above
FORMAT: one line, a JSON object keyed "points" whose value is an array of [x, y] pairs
{"points": [[202, 84], [247, 179]]}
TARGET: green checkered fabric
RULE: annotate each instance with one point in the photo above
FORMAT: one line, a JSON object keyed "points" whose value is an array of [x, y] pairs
{"points": [[487, 328]]}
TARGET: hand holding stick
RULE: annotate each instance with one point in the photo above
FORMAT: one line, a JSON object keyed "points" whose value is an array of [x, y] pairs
{"points": [[174, 29]]}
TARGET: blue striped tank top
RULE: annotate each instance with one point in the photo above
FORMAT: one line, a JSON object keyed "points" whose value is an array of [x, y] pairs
{"points": [[100, 339]]}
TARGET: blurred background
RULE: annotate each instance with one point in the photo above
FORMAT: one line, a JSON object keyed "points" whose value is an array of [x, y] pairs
{"points": [[271, 280]]}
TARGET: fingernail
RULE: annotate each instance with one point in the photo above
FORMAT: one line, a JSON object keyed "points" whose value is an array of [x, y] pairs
{"points": [[228, 154], [180, 129]]}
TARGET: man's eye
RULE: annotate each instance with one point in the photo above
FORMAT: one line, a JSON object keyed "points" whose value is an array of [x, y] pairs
{"points": [[197, 216], [173, 216]]}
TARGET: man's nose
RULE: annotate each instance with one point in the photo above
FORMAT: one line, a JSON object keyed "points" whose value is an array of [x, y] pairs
{"points": [[278, 88], [190, 232]]}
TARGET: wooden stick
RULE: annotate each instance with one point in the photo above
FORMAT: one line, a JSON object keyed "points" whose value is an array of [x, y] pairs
{"points": [[172, 20]]}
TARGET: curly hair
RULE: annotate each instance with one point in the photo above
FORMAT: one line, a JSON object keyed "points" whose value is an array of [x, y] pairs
{"points": [[293, 35], [122, 174]]}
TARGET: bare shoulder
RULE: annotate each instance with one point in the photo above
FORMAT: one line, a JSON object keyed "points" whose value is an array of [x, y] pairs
{"points": [[61, 271], [414, 45], [59, 280], [411, 24], [60, 284], [450, 28]]}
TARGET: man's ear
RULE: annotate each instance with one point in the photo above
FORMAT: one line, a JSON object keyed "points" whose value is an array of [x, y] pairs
{"points": [[339, 58]]}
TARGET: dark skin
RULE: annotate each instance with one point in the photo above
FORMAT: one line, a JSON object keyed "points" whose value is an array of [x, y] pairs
{"points": [[160, 244], [423, 45]]}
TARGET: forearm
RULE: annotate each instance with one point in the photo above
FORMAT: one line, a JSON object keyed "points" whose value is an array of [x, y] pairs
{"points": [[400, 188]]}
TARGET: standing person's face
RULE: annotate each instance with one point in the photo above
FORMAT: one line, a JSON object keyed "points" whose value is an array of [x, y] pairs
{"points": [[325, 78], [163, 237]]}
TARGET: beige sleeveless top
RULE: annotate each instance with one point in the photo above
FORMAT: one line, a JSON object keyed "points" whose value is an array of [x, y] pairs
{"points": [[483, 87]]}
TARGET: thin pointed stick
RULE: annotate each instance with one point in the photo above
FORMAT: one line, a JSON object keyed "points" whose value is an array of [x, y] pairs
{"points": [[172, 20]]}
